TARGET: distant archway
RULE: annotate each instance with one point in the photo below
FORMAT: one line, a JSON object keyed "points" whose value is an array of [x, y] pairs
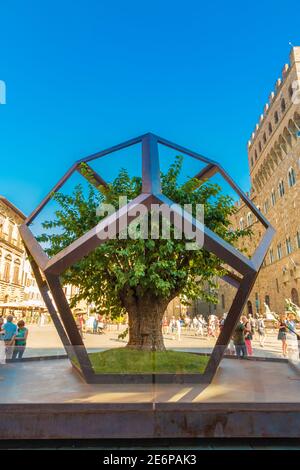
{"points": [[249, 307], [295, 296]]}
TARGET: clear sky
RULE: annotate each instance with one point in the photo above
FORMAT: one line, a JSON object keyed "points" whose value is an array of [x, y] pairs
{"points": [[84, 75]]}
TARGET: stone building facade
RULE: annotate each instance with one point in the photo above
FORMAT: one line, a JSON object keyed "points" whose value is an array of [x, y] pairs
{"points": [[19, 292], [17, 284], [274, 162]]}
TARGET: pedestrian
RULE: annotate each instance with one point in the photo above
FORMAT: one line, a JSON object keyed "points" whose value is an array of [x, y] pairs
{"points": [[261, 330], [42, 319], [172, 326], [222, 321], [282, 331], [201, 324], [239, 339], [292, 337], [211, 326], [195, 325], [179, 326], [248, 336], [252, 321], [20, 340], [95, 325], [10, 330], [79, 323], [165, 325], [2, 345]]}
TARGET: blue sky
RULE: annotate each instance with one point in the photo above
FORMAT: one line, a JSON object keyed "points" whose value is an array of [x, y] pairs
{"points": [[84, 75]]}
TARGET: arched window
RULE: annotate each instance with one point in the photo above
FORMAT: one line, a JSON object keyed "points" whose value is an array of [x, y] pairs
{"points": [[264, 138], [259, 146], [279, 251], [282, 105], [270, 128], [273, 197], [267, 300], [10, 231], [223, 300], [292, 177], [298, 239], [252, 161], [255, 153], [249, 219], [291, 91], [16, 274], [241, 223], [276, 118], [289, 247], [271, 255], [281, 188], [7, 267]]}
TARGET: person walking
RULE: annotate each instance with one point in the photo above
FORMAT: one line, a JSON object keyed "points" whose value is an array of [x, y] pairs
{"points": [[282, 331], [239, 339], [10, 330], [248, 336], [20, 341], [165, 326], [292, 337], [172, 326], [95, 325], [178, 327], [261, 331], [253, 324]]}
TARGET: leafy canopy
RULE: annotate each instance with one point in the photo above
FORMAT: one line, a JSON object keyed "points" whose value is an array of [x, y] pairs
{"points": [[119, 267]]}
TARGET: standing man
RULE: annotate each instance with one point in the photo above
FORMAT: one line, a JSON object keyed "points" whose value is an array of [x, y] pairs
{"points": [[10, 331], [239, 338]]}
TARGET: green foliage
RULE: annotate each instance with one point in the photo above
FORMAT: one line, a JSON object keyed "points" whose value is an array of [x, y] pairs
{"points": [[119, 268]]}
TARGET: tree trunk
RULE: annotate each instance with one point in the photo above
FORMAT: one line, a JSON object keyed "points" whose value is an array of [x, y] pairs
{"points": [[145, 316]]}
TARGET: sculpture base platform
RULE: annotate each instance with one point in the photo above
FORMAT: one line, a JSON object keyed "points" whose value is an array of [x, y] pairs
{"points": [[247, 399]]}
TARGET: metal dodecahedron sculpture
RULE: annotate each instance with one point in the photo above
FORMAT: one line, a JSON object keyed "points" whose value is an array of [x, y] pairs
{"points": [[50, 269]]}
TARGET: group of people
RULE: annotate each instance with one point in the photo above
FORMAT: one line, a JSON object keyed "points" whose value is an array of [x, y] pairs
{"points": [[287, 331], [13, 338], [245, 331], [197, 325]]}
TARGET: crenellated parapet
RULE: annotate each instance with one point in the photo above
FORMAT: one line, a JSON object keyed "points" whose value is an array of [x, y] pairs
{"points": [[283, 102]]}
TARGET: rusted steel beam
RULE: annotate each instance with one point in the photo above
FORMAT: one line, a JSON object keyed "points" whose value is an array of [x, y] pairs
{"points": [[115, 148], [70, 326], [261, 251], [221, 170], [46, 199], [179, 148], [208, 172], [230, 323], [44, 290], [232, 279], [244, 197], [33, 246], [94, 237], [212, 242], [232, 257], [150, 165], [91, 175]]}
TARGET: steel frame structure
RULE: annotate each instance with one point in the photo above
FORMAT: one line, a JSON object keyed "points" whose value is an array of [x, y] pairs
{"points": [[47, 271]]}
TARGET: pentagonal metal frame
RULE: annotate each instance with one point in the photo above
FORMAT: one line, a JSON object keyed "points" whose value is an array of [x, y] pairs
{"points": [[52, 268]]}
